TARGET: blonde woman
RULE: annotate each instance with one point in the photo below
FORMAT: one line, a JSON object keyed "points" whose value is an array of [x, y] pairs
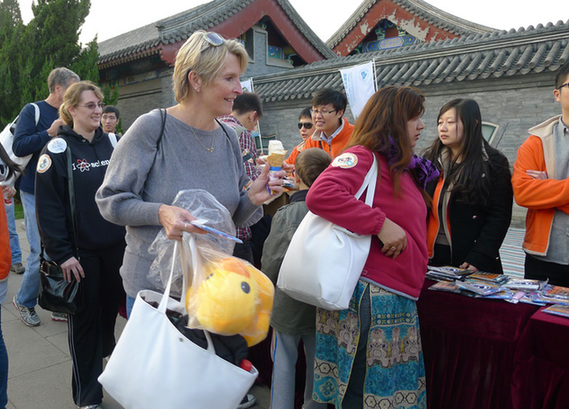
{"points": [[95, 257], [195, 151]]}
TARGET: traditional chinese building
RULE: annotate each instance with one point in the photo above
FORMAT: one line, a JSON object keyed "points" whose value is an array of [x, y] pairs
{"points": [[140, 62], [509, 73]]}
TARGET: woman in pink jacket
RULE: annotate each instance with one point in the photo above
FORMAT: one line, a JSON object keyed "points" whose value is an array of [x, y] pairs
{"points": [[370, 355]]}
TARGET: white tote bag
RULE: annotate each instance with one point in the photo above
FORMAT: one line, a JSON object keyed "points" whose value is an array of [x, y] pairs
{"points": [[153, 365], [324, 261]]}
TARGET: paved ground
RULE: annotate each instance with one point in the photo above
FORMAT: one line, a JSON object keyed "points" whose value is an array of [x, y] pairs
{"points": [[39, 363]]}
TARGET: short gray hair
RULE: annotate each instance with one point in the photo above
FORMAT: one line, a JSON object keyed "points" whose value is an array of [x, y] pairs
{"points": [[60, 76]]}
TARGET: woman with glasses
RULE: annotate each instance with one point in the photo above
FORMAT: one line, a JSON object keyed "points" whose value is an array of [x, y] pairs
{"points": [[92, 254], [306, 129], [472, 199]]}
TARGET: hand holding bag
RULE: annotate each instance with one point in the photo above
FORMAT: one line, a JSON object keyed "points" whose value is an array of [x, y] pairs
{"points": [[154, 366], [324, 261], [57, 294]]}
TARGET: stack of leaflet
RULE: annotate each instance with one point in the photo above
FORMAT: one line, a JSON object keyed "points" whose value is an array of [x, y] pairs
{"points": [[554, 294], [446, 273], [525, 284], [558, 309], [483, 284]]}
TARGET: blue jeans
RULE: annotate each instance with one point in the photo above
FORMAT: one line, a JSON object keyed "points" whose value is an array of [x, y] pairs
{"points": [[3, 355], [129, 305], [285, 354], [14, 240], [29, 290]]}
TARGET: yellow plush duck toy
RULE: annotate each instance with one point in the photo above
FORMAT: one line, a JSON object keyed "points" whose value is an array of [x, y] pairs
{"points": [[234, 298]]}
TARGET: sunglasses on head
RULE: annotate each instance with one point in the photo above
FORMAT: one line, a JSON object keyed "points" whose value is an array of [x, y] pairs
{"points": [[307, 125], [214, 39]]}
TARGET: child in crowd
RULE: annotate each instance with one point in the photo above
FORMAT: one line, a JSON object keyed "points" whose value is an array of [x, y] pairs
{"points": [[306, 129], [292, 320]]}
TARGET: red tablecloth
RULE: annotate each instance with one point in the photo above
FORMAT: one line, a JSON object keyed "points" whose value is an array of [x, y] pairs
{"points": [[541, 373], [469, 347]]}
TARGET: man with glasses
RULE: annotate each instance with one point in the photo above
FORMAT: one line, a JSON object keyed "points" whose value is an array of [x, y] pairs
{"points": [[541, 181], [333, 131], [30, 138]]}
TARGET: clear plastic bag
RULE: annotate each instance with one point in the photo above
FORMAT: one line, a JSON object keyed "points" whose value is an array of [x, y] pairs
{"points": [[202, 205], [225, 295]]}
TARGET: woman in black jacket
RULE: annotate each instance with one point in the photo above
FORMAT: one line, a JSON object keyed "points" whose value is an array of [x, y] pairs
{"points": [[472, 200], [95, 255]]}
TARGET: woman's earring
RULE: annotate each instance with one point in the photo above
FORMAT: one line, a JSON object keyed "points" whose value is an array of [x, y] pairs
{"points": [[197, 89]]}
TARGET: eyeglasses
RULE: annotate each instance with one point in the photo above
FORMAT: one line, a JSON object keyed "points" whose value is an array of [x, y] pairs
{"points": [[92, 106], [214, 39], [307, 125], [317, 112], [564, 85]]}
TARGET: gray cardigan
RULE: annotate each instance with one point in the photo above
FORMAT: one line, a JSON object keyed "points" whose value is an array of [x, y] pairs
{"points": [[141, 177]]}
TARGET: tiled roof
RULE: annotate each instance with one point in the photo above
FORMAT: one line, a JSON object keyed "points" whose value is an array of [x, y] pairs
{"points": [[421, 9], [498, 54], [147, 40]]}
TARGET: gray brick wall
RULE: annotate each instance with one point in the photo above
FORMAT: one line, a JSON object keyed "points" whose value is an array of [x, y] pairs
{"points": [[515, 104]]}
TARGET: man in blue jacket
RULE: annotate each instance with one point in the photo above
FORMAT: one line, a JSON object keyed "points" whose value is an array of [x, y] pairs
{"points": [[29, 139]]}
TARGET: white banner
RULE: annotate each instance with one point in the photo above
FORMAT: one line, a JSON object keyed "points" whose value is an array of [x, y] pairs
{"points": [[247, 85], [359, 83]]}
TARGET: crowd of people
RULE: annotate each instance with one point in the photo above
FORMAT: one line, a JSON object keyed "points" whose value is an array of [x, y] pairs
{"points": [[450, 206]]}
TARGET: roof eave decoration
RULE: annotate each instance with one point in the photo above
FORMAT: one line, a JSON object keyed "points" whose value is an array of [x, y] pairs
{"points": [[499, 54], [232, 18], [242, 16], [420, 19]]}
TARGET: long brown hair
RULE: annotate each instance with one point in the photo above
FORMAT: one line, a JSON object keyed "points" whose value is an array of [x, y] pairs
{"points": [[382, 126]]}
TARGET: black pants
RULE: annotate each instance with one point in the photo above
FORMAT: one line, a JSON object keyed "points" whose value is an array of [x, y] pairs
{"points": [[558, 274], [91, 331]]}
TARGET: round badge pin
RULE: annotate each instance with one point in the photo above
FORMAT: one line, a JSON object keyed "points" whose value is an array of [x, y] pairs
{"points": [[345, 161], [44, 163], [57, 145]]}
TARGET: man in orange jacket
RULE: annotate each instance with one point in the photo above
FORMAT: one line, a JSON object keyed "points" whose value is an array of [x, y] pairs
{"points": [[541, 183], [333, 131]]}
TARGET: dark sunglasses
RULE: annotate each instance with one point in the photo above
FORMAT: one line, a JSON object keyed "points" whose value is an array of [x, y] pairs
{"points": [[214, 39], [307, 125]]}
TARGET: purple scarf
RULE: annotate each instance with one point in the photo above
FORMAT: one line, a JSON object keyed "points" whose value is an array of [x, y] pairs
{"points": [[424, 168]]}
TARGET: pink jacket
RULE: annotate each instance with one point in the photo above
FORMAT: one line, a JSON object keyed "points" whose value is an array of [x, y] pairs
{"points": [[332, 197]]}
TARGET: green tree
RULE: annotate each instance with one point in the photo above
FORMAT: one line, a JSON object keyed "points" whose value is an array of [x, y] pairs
{"points": [[29, 52], [11, 28]]}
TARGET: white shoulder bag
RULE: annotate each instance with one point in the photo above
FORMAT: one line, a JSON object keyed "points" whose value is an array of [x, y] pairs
{"points": [[324, 261], [154, 366]]}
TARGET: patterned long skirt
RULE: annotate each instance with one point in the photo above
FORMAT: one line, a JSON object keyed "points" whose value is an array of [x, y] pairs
{"points": [[394, 370]]}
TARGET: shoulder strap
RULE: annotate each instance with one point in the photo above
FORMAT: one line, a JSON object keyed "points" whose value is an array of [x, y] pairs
{"points": [[163, 115], [370, 182], [37, 112], [71, 190], [113, 139], [224, 131]]}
